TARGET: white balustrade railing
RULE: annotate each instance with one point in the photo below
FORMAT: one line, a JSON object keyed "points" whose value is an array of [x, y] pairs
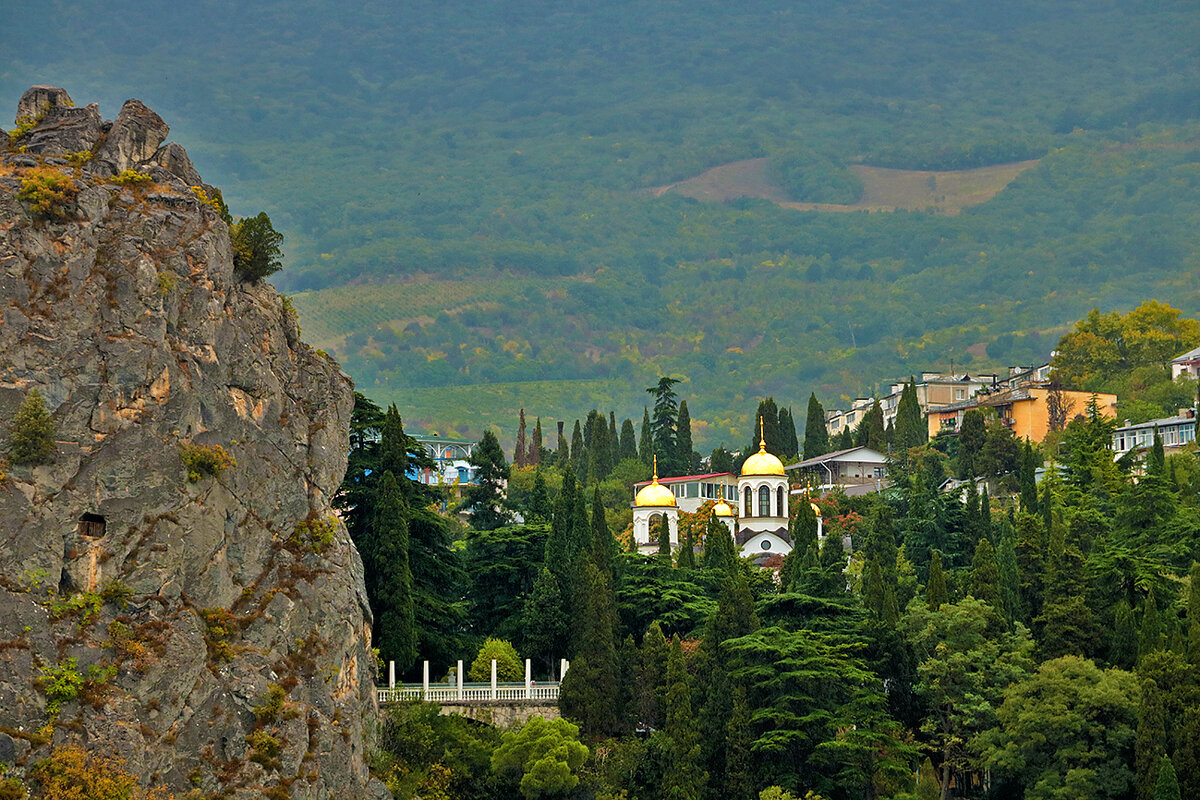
{"points": [[468, 693]]}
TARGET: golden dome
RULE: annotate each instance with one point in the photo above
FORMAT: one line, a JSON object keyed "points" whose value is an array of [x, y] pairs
{"points": [[655, 495], [762, 462], [722, 509]]}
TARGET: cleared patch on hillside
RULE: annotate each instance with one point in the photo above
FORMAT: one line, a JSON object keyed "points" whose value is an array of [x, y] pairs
{"points": [[943, 192]]}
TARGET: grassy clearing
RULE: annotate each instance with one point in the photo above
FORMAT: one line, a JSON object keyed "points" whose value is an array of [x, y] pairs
{"points": [[946, 192]]}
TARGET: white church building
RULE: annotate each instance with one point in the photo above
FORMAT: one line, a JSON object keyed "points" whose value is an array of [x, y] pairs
{"points": [[757, 519]]}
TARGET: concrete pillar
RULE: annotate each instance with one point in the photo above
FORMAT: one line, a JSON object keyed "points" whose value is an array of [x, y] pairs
{"points": [[493, 694], [425, 681], [391, 674], [528, 679], [459, 673], [820, 527], [562, 668]]}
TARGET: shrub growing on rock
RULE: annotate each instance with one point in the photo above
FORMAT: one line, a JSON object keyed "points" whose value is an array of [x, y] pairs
{"points": [[32, 437], [257, 247], [48, 192], [202, 460]]}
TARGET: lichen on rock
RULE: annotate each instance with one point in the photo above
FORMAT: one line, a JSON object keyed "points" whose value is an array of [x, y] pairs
{"points": [[124, 311]]}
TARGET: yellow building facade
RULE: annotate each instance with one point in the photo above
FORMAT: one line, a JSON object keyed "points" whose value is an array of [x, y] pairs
{"points": [[1026, 410]]}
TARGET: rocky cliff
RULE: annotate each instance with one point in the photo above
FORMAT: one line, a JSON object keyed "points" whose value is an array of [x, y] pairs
{"points": [[207, 625]]}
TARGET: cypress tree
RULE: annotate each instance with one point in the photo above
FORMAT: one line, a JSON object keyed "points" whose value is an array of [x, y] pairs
{"points": [[767, 416], [911, 430], [393, 445], [1123, 647], [1187, 754], [1193, 617], [684, 457], [561, 553], [816, 435], [646, 440], [520, 453], [803, 526], [614, 443], [562, 455], [879, 602], [533, 457], [628, 441], [1166, 787], [687, 555], [683, 779], [936, 595], [739, 767], [1066, 625], [1046, 506], [604, 545], [652, 677], [845, 439], [719, 551], [971, 436], [1009, 572], [1030, 563], [985, 513], [1150, 741], [788, 443], [871, 432], [985, 576], [590, 685], [395, 621], [664, 536], [540, 509], [1156, 460], [1027, 479], [1150, 632], [579, 455]]}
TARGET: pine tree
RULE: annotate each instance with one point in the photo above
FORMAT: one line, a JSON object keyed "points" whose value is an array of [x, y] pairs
{"points": [[911, 429], [664, 426], [31, 439], [590, 685], [683, 779], [646, 439], [521, 452], [1150, 743], [1166, 787], [935, 592], [396, 632], [544, 620], [628, 441], [816, 435], [684, 456], [486, 498]]}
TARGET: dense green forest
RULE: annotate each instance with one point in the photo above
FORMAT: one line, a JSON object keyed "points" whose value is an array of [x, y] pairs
{"points": [[462, 186]]}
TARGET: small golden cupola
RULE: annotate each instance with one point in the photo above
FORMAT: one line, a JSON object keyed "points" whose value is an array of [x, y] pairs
{"points": [[722, 509], [655, 495], [762, 462]]}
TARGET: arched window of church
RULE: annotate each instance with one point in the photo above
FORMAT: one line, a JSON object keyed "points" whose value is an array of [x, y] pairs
{"points": [[779, 512], [748, 505], [764, 501]]}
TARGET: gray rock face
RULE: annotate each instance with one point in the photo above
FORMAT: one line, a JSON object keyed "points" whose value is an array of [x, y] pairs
{"points": [[127, 317], [37, 99]]}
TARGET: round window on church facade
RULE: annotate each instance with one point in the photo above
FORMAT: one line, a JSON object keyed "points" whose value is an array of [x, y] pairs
{"points": [[766, 544]]}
